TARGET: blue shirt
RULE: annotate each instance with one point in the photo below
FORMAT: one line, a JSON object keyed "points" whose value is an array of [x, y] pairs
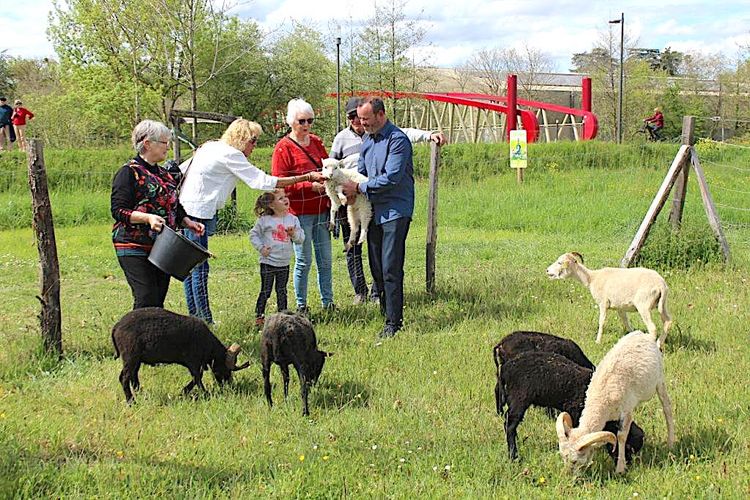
{"points": [[386, 160]]}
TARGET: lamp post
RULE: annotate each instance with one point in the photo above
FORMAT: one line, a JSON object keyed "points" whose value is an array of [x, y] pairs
{"points": [[338, 84], [621, 22]]}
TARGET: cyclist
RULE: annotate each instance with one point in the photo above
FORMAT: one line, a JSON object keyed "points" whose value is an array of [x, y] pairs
{"points": [[654, 124]]}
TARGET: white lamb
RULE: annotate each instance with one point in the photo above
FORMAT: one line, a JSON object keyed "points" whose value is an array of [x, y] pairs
{"points": [[630, 373], [359, 214], [637, 289]]}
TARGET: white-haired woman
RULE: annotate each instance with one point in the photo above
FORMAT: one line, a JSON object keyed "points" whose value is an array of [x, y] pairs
{"points": [[144, 199], [211, 175], [301, 152]]}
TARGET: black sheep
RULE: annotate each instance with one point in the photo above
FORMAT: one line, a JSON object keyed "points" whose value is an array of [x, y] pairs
{"points": [[549, 380], [153, 335], [289, 339], [523, 341]]}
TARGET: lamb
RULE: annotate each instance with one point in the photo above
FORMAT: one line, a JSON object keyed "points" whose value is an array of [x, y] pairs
{"points": [[359, 213], [531, 372], [153, 335], [290, 339], [626, 290], [630, 373]]}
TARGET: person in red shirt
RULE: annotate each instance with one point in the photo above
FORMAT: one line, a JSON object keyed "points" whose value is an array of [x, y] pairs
{"points": [[20, 114], [300, 152], [654, 124]]}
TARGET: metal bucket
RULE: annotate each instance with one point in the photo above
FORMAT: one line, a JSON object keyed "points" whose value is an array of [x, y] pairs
{"points": [[176, 255]]}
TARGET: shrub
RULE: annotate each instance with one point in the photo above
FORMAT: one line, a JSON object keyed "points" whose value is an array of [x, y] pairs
{"points": [[667, 248]]}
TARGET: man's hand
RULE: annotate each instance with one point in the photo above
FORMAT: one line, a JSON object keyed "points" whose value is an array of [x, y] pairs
{"points": [[350, 190], [438, 138], [318, 187]]}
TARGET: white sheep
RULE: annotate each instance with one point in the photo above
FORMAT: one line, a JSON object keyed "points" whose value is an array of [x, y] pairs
{"points": [[630, 373], [625, 290], [359, 214]]}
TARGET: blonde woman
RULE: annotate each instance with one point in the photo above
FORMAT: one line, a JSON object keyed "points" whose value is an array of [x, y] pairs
{"points": [[211, 175]]}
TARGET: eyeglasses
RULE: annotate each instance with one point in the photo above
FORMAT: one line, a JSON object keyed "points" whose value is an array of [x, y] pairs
{"points": [[166, 143], [309, 121], [352, 116]]}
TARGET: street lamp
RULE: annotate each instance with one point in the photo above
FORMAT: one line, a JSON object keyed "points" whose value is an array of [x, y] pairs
{"points": [[621, 22], [338, 84]]}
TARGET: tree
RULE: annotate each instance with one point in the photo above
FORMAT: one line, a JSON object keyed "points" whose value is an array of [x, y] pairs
{"points": [[530, 64], [491, 67], [7, 84]]}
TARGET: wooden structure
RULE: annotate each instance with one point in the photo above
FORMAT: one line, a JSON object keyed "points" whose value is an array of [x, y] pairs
{"points": [[677, 175], [432, 218], [50, 317]]}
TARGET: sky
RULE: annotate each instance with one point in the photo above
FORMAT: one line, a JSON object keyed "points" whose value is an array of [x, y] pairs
{"points": [[455, 29]]}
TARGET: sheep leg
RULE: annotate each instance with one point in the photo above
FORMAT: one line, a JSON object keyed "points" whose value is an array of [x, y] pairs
{"points": [[622, 435], [125, 376], [666, 405], [135, 382], [624, 318], [666, 321], [267, 383], [355, 228], [285, 377], [602, 317], [645, 313], [513, 418], [304, 386]]}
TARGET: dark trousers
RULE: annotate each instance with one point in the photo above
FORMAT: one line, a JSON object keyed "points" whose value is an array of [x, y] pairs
{"points": [[386, 244], [354, 258], [148, 284], [269, 274]]}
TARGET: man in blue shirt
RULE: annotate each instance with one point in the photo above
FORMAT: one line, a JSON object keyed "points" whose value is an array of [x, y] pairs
{"points": [[386, 160]]}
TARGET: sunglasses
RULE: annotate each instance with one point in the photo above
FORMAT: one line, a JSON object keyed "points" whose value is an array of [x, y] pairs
{"points": [[352, 116], [309, 121], [253, 140]]}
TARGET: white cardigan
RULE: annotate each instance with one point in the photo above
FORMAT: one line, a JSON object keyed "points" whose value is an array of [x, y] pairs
{"points": [[212, 174]]}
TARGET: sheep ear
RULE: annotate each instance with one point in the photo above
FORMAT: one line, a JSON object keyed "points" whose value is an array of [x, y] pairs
{"points": [[595, 439], [327, 354], [564, 424], [577, 256]]}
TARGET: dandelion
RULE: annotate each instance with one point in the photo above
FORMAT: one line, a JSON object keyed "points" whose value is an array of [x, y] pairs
{"points": [[402, 460], [635, 494], [325, 457], [692, 457], [120, 454], [301, 458], [447, 468], [434, 372], [542, 480], [315, 447], [2, 415], [697, 478], [434, 468], [374, 447], [720, 420]]}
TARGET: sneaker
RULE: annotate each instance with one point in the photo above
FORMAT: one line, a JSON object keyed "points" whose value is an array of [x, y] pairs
{"points": [[388, 332], [360, 299], [375, 299], [329, 307]]}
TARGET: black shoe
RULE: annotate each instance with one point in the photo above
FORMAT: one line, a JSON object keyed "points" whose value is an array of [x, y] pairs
{"points": [[388, 332], [303, 310]]}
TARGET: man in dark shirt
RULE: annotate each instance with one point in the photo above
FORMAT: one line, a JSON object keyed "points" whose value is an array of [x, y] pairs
{"points": [[6, 112], [386, 160]]}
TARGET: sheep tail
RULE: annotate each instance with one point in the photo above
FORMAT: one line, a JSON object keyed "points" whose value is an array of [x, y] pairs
{"points": [[117, 351]]}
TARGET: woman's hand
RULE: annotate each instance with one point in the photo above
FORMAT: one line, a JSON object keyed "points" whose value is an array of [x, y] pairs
{"points": [[194, 226], [317, 177], [318, 187], [155, 221], [265, 251]]}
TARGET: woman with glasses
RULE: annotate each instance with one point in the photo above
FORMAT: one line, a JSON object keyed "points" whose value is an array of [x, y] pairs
{"points": [[210, 176], [299, 153], [144, 199]]}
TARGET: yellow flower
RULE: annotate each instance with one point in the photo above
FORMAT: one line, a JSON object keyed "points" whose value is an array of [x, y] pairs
{"points": [[120, 454], [301, 458], [325, 457], [542, 480]]}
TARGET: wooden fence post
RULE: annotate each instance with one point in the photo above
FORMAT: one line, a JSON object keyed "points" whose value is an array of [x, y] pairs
{"points": [[680, 187], [50, 317], [432, 217]]}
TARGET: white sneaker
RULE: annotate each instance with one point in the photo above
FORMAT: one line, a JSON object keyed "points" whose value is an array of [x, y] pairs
{"points": [[360, 299]]}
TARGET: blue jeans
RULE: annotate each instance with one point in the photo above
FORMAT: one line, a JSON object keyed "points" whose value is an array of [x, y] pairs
{"points": [[386, 244], [196, 284], [317, 236]]}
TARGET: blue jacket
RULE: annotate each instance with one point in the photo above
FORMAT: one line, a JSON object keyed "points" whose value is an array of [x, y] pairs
{"points": [[386, 160]]}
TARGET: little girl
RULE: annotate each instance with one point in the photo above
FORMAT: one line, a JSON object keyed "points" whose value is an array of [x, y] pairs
{"points": [[272, 236]]}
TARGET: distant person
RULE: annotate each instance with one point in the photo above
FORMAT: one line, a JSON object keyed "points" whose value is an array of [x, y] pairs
{"points": [[272, 237], [386, 161], [20, 114], [301, 152], [144, 200], [654, 124], [210, 176], [347, 145], [6, 113]]}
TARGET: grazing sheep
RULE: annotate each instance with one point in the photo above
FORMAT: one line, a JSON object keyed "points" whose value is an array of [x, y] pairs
{"points": [[153, 335], [630, 373], [547, 371], [358, 214], [290, 339], [626, 290]]}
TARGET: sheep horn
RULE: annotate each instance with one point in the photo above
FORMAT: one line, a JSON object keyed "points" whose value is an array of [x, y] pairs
{"points": [[597, 439], [577, 256], [232, 353], [241, 367], [564, 423]]}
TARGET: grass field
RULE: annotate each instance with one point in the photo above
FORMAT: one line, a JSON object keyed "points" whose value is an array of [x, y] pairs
{"points": [[410, 416]]}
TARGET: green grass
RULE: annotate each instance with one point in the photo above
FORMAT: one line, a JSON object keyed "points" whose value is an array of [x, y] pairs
{"points": [[411, 416]]}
